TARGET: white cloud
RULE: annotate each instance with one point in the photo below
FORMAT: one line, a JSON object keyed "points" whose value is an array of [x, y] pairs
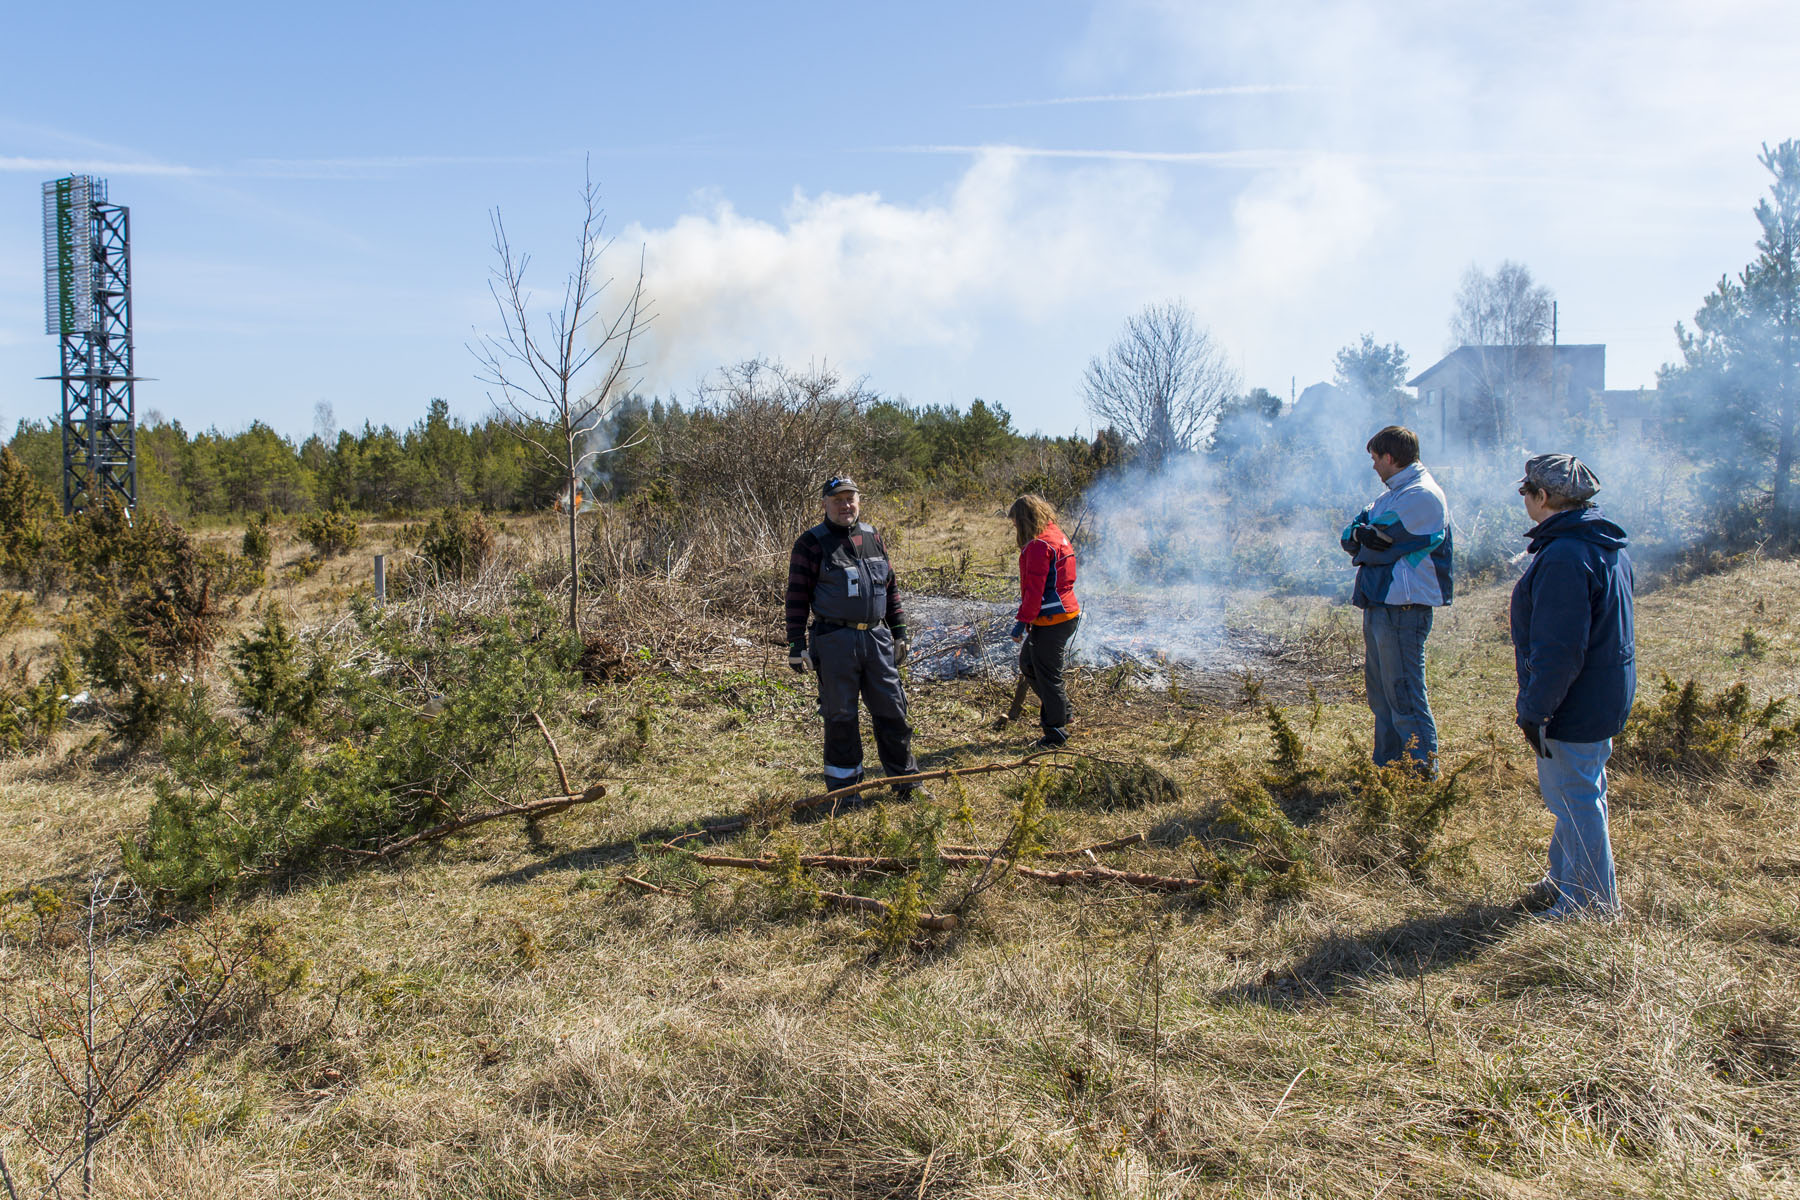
{"points": [[1193, 93], [1290, 226], [1059, 250], [82, 166], [1610, 147], [1226, 159]]}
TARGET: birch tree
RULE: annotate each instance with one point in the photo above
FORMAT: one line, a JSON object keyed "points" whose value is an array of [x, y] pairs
{"points": [[559, 373], [1504, 318], [1163, 384]]}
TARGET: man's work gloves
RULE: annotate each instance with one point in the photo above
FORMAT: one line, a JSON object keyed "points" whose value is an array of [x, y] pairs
{"points": [[1535, 735], [1371, 537], [902, 646]]}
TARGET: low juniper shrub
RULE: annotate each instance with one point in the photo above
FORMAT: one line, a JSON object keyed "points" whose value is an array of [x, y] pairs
{"points": [[1686, 731]]}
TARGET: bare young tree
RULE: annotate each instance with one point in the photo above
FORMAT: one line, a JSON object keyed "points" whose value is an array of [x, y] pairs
{"points": [[1507, 308], [1163, 384], [111, 1033], [325, 424], [560, 374], [1505, 319]]}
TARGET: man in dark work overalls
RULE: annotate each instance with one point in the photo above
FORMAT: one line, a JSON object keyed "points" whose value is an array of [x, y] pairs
{"points": [[839, 576]]}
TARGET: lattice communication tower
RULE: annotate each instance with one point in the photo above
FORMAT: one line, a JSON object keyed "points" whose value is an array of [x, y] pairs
{"points": [[87, 306]]}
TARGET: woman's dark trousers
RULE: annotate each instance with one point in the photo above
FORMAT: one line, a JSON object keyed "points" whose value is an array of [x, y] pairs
{"points": [[1041, 663]]}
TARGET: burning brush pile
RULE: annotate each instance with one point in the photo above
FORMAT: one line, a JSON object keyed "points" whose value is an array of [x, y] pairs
{"points": [[1136, 640]]}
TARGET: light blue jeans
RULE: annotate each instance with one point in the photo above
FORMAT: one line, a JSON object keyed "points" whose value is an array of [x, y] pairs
{"points": [[1573, 781], [1394, 673]]}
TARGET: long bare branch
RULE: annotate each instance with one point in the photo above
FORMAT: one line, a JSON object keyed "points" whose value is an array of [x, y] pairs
{"points": [[562, 776], [535, 808], [1094, 875], [830, 799]]}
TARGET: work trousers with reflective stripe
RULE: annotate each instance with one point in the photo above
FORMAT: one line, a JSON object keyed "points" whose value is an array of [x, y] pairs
{"points": [[852, 663]]}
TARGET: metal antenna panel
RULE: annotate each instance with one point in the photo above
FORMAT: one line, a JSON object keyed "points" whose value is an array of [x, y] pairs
{"points": [[87, 306]]}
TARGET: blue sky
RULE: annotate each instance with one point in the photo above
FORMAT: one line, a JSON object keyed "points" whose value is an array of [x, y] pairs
{"points": [[952, 200]]}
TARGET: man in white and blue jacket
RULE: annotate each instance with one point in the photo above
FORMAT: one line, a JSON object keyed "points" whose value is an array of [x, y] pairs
{"points": [[1401, 546], [1574, 643]]}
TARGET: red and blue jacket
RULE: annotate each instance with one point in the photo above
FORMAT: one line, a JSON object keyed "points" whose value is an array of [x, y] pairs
{"points": [[1047, 580]]}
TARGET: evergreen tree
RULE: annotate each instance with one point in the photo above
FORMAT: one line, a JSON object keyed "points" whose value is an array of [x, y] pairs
{"points": [[633, 431], [162, 454], [1737, 390], [26, 507], [441, 448], [1377, 374], [902, 452], [39, 446], [259, 470]]}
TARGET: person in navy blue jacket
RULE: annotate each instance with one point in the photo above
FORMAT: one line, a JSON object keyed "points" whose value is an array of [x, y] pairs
{"points": [[1574, 645]]}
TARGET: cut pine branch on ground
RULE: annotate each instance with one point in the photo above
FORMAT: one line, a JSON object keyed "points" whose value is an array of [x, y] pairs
{"points": [[924, 920], [530, 812], [1092, 876], [1061, 759]]}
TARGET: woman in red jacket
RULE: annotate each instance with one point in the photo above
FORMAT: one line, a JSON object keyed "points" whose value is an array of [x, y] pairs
{"points": [[1048, 611]]}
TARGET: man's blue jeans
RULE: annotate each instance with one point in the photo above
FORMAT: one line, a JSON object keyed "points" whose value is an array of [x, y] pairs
{"points": [[1573, 781], [1394, 673]]}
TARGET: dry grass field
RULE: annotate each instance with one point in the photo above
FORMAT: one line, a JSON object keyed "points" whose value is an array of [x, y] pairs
{"points": [[500, 1015]]}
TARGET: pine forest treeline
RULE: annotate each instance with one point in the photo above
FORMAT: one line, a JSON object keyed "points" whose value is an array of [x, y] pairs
{"points": [[442, 461]]}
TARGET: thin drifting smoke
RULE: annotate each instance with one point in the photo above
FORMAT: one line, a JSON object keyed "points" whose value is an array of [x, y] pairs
{"points": [[596, 479], [1166, 556]]}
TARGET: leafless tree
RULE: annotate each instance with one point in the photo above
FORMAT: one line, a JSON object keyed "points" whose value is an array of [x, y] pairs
{"points": [[1163, 384], [325, 424], [763, 436], [560, 374], [111, 1034], [1506, 308], [1504, 318]]}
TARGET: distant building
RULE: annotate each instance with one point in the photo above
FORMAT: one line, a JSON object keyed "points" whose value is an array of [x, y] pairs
{"points": [[1529, 395], [1634, 411], [1320, 397], [1328, 401]]}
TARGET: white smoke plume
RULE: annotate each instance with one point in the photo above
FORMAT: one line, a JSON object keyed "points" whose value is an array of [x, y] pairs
{"points": [[914, 294]]}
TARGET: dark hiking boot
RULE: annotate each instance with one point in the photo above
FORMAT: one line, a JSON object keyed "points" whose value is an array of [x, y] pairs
{"points": [[1540, 895]]}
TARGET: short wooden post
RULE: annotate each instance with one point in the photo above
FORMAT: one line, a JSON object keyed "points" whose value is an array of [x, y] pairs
{"points": [[381, 579]]}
